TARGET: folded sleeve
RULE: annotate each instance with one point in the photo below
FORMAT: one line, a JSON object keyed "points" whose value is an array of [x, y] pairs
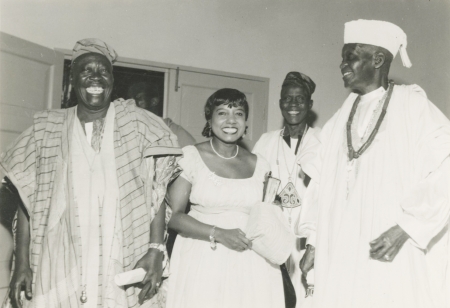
{"points": [[18, 163], [426, 210], [166, 169], [153, 133]]}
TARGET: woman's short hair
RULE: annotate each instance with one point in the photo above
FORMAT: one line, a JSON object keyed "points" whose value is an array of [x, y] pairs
{"points": [[226, 96]]}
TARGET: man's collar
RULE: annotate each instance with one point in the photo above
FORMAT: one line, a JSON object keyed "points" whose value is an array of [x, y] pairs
{"points": [[371, 95]]}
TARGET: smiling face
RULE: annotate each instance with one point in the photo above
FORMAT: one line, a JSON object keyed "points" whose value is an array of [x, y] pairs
{"points": [[93, 81], [228, 123], [295, 104], [358, 68]]}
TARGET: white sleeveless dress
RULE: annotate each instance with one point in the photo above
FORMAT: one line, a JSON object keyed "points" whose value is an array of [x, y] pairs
{"points": [[202, 277]]}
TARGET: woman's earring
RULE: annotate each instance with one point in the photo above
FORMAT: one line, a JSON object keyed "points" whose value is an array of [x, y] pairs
{"points": [[245, 131], [209, 130]]}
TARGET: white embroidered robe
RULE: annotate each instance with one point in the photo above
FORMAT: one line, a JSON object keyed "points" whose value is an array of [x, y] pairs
{"points": [[403, 179]]}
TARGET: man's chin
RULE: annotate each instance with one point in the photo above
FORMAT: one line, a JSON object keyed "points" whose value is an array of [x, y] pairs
{"points": [[96, 102], [96, 105]]}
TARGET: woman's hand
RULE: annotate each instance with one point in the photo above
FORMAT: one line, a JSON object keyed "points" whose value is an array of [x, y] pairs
{"points": [[22, 278], [307, 262], [233, 239], [388, 244], [151, 262]]}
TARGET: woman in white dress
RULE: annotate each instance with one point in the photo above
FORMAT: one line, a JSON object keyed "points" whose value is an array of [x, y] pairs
{"points": [[289, 151], [212, 262]]}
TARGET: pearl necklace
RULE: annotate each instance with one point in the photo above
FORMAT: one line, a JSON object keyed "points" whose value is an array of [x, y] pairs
{"points": [[212, 147]]}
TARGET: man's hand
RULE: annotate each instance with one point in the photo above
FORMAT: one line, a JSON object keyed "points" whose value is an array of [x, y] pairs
{"points": [[388, 244], [151, 262], [22, 278], [307, 262]]}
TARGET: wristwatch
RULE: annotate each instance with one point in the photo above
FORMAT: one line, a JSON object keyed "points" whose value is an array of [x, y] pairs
{"points": [[160, 247], [212, 239]]}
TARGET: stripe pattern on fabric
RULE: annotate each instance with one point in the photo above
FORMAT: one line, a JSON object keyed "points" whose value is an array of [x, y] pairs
{"points": [[37, 165]]}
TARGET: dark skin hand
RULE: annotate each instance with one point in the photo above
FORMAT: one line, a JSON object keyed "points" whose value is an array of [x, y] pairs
{"points": [[233, 239], [307, 261], [388, 244], [151, 262], [23, 276]]}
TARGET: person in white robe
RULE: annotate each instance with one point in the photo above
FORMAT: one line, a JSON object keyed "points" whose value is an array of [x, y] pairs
{"points": [[377, 216], [289, 151]]}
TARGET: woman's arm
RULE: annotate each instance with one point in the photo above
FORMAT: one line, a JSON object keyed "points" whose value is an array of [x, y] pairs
{"points": [[177, 198]]}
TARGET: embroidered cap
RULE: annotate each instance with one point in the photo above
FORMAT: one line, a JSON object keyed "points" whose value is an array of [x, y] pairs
{"points": [[378, 33], [93, 45]]}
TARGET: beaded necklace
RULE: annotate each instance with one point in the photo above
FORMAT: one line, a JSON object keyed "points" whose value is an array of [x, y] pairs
{"points": [[352, 154]]}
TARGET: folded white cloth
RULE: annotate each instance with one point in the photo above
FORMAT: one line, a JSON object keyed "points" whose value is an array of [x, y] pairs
{"points": [[270, 233], [130, 277]]}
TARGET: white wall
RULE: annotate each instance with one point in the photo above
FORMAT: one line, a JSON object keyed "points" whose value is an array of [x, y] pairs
{"points": [[263, 38]]}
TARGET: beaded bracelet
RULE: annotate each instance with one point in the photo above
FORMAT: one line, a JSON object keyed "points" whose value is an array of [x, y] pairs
{"points": [[160, 247]]}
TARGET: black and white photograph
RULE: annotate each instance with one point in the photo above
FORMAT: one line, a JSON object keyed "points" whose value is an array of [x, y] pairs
{"points": [[225, 153]]}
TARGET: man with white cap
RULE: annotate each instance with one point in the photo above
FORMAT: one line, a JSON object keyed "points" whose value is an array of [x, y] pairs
{"points": [[377, 217], [92, 180]]}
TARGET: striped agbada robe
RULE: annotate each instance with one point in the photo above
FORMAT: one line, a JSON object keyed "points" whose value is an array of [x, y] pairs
{"points": [[38, 164]]}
